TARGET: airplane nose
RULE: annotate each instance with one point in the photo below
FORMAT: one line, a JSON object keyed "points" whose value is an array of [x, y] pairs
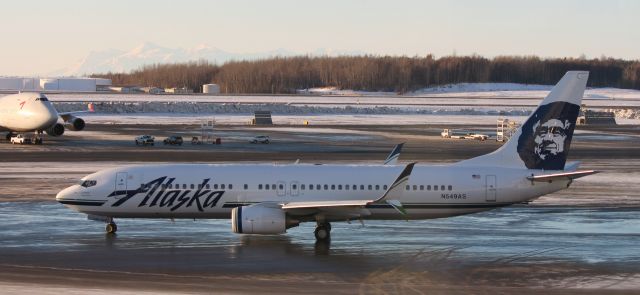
{"points": [[66, 194]]}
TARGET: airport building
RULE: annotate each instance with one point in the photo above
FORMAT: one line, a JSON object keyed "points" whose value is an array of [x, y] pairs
{"points": [[53, 84]]}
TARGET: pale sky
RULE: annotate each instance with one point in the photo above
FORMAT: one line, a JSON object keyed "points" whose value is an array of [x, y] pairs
{"points": [[43, 36]]}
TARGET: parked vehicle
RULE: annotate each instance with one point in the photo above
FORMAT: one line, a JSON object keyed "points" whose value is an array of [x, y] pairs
{"points": [[20, 139], [450, 133], [195, 140], [173, 140], [260, 139], [145, 140]]}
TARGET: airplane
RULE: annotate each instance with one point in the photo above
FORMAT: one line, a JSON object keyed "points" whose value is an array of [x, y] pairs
{"points": [[271, 198], [33, 112]]}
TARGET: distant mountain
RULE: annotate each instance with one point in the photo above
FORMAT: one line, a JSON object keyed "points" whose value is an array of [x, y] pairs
{"points": [[114, 60]]}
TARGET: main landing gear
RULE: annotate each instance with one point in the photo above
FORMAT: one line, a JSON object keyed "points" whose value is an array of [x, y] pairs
{"points": [[323, 231], [111, 227]]}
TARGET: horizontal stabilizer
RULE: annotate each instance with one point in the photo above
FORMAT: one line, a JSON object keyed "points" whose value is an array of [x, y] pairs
{"points": [[563, 175]]}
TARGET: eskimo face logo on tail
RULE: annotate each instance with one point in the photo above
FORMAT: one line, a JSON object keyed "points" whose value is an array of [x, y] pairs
{"points": [[546, 136]]}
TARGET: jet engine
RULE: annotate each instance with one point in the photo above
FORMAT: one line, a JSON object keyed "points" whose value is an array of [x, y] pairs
{"points": [[56, 129], [74, 124], [260, 219]]}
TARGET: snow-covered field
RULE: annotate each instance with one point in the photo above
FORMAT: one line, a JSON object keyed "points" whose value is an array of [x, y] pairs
{"points": [[480, 99]]}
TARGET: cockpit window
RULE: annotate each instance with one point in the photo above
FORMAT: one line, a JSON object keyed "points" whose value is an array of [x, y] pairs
{"points": [[88, 183], [42, 99]]}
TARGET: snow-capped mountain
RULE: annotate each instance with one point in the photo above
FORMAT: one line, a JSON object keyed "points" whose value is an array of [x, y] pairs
{"points": [[114, 60]]}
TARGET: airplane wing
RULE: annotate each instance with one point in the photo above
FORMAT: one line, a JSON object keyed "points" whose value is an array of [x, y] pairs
{"points": [[561, 176], [67, 115], [394, 191], [392, 159]]}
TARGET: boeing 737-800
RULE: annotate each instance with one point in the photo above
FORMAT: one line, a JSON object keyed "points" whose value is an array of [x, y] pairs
{"points": [[33, 112], [269, 199]]}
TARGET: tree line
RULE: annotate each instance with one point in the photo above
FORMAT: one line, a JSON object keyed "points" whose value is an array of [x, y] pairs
{"points": [[376, 73]]}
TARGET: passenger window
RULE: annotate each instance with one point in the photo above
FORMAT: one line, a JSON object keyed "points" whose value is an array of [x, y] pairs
{"points": [[435, 187], [246, 186], [442, 187], [450, 187], [428, 187], [318, 187], [339, 187], [230, 186], [259, 186], [421, 187], [370, 187], [293, 186], [346, 187], [326, 187], [311, 187], [208, 186], [192, 186], [355, 187], [222, 186], [377, 187], [273, 187], [415, 187], [215, 186], [362, 187], [384, 187], [281, 186], [302, 186], [184, 186], [407, 187]]}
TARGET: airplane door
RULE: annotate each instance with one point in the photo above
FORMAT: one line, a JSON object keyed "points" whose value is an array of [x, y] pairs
{"points": [[295, 188], [491, 188], [121, 181], [281, 189]]}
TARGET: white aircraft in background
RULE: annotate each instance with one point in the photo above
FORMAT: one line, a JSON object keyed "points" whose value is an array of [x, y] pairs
{"points": [[269, 199], [33, 112]]}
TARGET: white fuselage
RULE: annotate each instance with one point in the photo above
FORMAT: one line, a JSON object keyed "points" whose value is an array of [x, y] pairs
{"points": [[211, 191], [26, 112]]}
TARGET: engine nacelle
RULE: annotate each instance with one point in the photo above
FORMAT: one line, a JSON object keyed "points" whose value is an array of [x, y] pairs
{"points": [[260, 219], [56, 129], [74, 124]]}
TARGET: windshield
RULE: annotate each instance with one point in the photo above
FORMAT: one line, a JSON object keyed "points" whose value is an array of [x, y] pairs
{"points": [[88, 183]]}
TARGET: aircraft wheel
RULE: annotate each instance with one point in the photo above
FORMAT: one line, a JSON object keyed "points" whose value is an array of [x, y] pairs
{"points": [[322, 232], [111, 228]]}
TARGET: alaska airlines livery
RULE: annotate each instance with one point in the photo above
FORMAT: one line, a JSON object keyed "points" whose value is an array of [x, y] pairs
{"points": [[269, 199]]}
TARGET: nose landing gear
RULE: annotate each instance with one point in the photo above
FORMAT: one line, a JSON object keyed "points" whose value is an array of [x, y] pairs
{"points": [[111, 227]]}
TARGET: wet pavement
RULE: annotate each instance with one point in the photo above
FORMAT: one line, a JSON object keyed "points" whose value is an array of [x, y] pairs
{"points": [[585, 247]]}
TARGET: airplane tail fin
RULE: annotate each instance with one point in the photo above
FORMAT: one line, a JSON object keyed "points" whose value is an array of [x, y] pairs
{"points": [[543, 141]]}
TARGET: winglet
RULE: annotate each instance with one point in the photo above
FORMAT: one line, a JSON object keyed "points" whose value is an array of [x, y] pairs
{"points": [[395, 189], [392, 159]]}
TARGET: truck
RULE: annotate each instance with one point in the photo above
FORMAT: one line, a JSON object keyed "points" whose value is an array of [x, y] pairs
{"points": [[449, 133]]}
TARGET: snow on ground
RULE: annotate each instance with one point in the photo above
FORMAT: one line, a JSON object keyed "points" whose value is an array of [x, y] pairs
{"points": [[477, 99], [243, 119]]}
